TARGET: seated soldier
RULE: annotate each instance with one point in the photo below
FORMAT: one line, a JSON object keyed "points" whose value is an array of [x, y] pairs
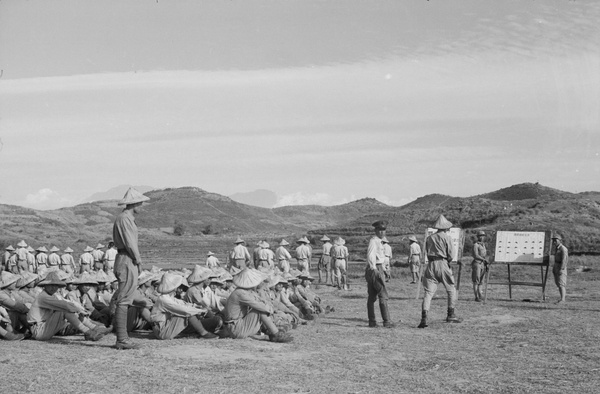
{"points": [[306, 292], [280, 297], [172, 317], [306, 309], [25, 285], [139, 313], [52, 315], [15, 306], [6, 330], [214, 302], [282, 320], [86, 283], [245, 312]]}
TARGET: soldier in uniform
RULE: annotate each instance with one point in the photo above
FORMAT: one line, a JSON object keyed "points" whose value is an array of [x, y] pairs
{"points": [[283, 257], [479, 264], [561, 260], [438, 247], [240, 257], [86, 260], [325, 260], [303, 254], [375, 277], [98, 255], [414, 259]]}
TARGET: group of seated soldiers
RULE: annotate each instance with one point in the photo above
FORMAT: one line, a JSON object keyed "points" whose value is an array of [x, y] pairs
{"points": [[209, 302]]}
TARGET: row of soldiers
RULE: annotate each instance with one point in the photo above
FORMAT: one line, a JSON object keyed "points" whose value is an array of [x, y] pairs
{"points": [[264, 303], [25, 258]]}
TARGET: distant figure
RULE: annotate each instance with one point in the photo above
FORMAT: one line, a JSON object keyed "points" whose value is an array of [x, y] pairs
{"points": [[109, 257], [21, 253], [438, 247], [98, 255], [561, 260], [41, 260], [303, 254], [414, 259], [240, 257], [53, 259], [325, 260], [31, 267], [265, 256], [339, 255], [283, 257], [387, 261], [212, 261], [127, 263], [86, 260], [479, 265], [6, 256], [255, 252], [376, 277], [67, 263]]}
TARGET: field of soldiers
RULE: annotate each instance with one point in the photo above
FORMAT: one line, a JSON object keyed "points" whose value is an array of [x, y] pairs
{"points": [[523, 344]]}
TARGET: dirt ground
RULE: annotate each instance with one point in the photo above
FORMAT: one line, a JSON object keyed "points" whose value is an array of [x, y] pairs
{"points": [[503, 346]]}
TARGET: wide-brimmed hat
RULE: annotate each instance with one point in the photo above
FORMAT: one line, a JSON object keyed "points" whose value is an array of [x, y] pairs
{"points": [[248, 278], [42, 249], [412, 238], [53, 278], [86, 279], [480, 233], [8, 279], [144, 277], [210, 253], [277, 279], [99, 246], [217, 281], [88, 249], [132, 196], [200, 274], [68, 250], [226, 276], [339, 241], [265, 245], [30, 249], [22, 244], [54, 249], [10, 248], [283, 242], [442, 223], [380, 225], [304, 240], [101, 276], [111, 277], [306, 275], [170, 282], [325, 238], [239, 241], [26, 278]]}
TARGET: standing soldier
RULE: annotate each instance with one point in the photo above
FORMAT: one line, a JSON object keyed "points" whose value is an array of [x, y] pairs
{"points": [[283, 257], [109, 257], [561, 260], [376, 277], [325, 260], [303, 254], [21, 253], [98, 255], [127, 263], [31, 267], [265, 256], [414, 259], [53, 259], [67, 263], [212, 261], [86, 260], [387, 261], [479, 265], [41, 259], [6, 256], [240, 257], [438, 247], [255, 254], [339, 255]]}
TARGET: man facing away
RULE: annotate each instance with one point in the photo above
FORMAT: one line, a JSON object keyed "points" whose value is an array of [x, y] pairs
{"points": [[559, 270], [375, 276], [127, 263]]}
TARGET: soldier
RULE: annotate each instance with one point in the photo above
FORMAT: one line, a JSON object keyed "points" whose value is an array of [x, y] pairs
{"points": [[98, 255], [21, 253], [127, 263], [67, 263], [376, 277], [339, 254], [53, 259], [41, 260], [6, 256], [414, 259], [283, 257], [109, 257], [212, 261], [559, 270], [86, 260], [325, 260], [438, 247], [265, 256], [31, 266], [303, 254], [479, 265], [240, 257]]}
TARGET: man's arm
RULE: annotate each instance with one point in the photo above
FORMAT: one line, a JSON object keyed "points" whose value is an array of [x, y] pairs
{"points": [[129, 235]]}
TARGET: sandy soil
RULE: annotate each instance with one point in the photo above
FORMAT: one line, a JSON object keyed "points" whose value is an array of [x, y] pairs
{"points": [[503, 346]]}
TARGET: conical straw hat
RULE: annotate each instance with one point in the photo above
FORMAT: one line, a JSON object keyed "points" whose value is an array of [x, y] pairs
{"points": [[53, 278], [86, 279], [132, 196], [68, 250], [170, 282], [54, 249], [8, 279], [412, 238], [22, 244], [144, 277], [10, 248], [42, 249], [200, 274], [239, 240], [442, 223], [101, 276], [88, 249], [325, 238], [26, 278], [283, 243], [248, 278]]}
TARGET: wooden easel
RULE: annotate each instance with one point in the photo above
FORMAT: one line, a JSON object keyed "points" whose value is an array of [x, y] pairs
{"points": [[542, 260]]}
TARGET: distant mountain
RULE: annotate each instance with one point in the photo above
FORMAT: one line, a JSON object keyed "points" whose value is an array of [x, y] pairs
{"points": [[526, 191], [116, 193], [258, 198]]}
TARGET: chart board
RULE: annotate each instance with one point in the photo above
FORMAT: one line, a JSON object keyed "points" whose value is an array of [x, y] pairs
{"points": [[519, 247]]}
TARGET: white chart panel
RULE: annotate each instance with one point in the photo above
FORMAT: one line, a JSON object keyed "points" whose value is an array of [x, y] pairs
{"points": [[520, 246]]}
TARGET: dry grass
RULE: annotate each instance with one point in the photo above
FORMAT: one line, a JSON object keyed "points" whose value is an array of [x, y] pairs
{"points": [[503, 346]]}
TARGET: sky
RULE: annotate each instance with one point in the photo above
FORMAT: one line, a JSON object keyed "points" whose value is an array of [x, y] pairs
{"points": [[322, 102]]}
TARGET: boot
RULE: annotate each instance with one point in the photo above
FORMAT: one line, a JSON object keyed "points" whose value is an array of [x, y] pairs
{"points": [[126, 345], [423, 323], [94, 334], [477, 294], [281, 337], [451, 318], [371, 314], [10, 336], [385, 314]]}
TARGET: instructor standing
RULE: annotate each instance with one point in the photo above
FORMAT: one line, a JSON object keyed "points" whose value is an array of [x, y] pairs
{"points": [[127, 262], [375, 277]]}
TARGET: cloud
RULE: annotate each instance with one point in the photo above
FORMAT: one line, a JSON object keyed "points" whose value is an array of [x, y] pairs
{"points": [[46, 199], [300, 198]]}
